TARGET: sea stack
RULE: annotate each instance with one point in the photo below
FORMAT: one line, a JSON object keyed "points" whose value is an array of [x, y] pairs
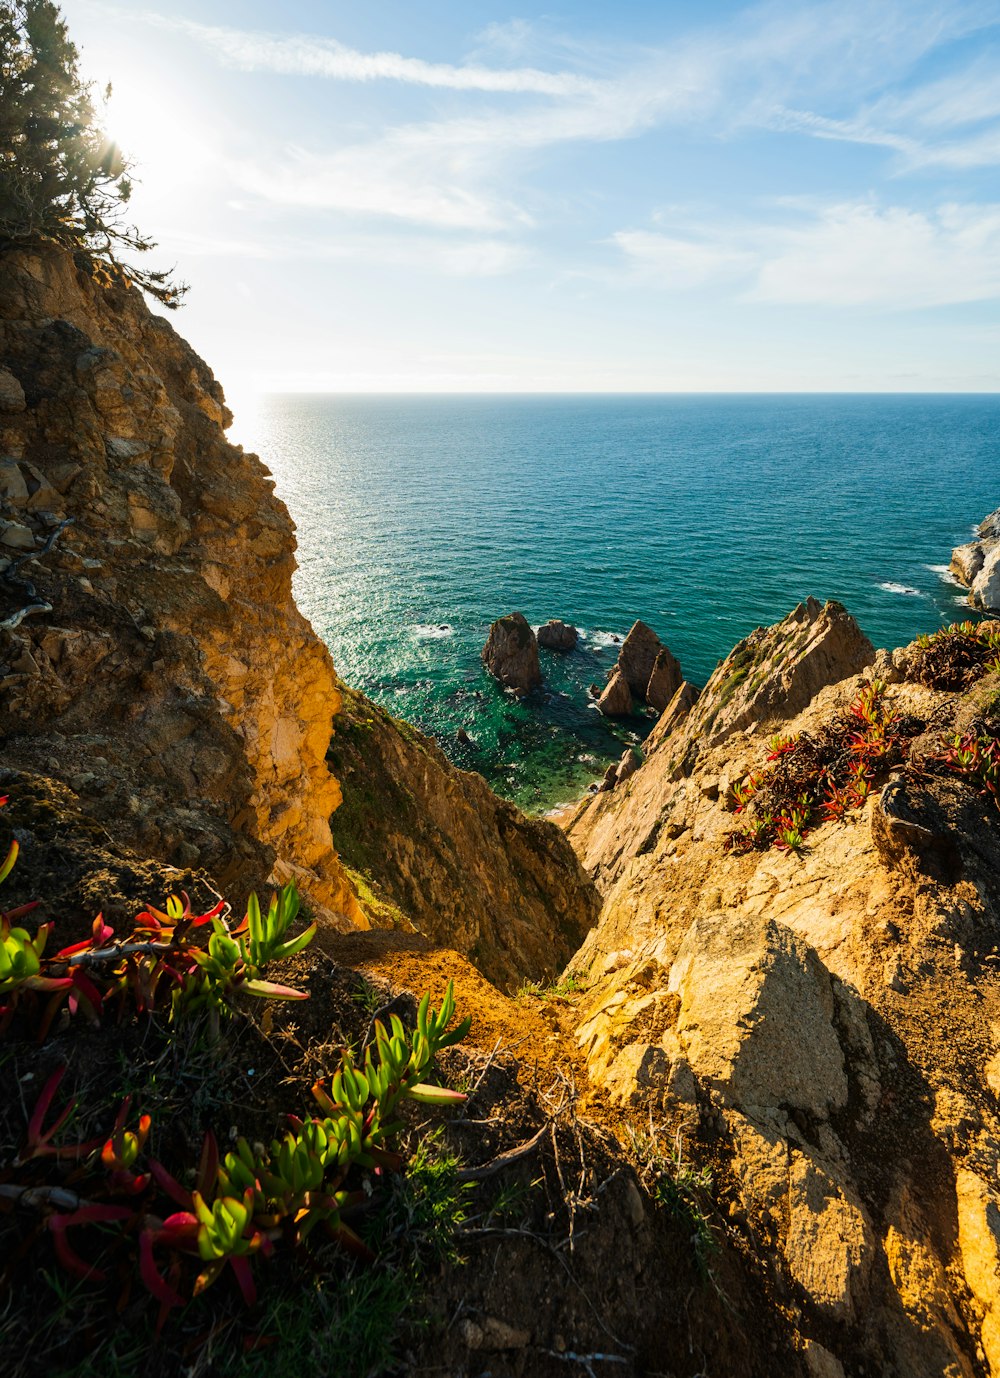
{"points": [[558, 636], [646, 671], [511, 654]]}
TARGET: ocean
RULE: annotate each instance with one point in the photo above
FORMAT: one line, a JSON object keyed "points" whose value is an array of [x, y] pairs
{"points": [[422, 518]]}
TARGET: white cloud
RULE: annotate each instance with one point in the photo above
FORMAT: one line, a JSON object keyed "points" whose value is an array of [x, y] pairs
{"points": [[859, 255], [682, 264], [385, 178], [852, 254]]}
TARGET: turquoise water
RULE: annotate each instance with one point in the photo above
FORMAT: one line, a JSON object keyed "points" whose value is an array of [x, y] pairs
{"points": [[423, 518]]}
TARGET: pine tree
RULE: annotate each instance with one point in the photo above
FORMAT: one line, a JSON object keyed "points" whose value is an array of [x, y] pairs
{"points": [[61, 179]]}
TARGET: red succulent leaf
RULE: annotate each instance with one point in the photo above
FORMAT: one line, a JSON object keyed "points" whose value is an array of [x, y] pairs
{"points": [[169, 1185], [85, 992], [35, 1132], [49, 983], [244, 1276], [198, 919], [86, 1215], [151, 1277], [13, 914], [125, 1183], [67, 1256]]}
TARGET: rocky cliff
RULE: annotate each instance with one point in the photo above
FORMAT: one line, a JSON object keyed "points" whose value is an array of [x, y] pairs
{"points": [[824, 1018], [151, 654]]}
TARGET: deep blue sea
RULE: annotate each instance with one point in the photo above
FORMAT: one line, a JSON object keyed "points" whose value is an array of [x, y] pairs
{"points": [[421, 519]]}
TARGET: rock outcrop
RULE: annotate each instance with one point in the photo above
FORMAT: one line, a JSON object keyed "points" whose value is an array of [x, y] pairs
{"points": [[431, 847], [152, 656], [826, 1024], [511, 654], [557, 636], [645, 669], [977, 564]]}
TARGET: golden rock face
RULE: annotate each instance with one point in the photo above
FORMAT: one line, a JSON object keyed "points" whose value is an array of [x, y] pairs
{"points": [[827, 1022], [172, 681]]}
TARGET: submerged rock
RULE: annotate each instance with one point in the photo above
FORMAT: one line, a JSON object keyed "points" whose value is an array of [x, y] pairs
{"points": [[558, 636], [511, 654]]}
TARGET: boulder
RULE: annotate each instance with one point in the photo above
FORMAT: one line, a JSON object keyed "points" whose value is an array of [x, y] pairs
{"points": [[511, 654], [638, 656], [664, 680], [18, 536], [558, 636], [756, 1016], [989, 528], [616, 701], [628, 765], [672, 716], [13, 488]]}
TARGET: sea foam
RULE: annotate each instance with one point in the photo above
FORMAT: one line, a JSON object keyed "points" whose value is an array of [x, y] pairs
{"points": [[891, 586]]}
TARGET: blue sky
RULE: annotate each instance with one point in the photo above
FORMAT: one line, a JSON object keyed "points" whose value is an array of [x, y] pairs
{"points": [[627, 197]]}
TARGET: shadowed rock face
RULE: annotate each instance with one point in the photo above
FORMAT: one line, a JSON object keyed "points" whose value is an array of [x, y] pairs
{"points": [[160, 667], [829, 1021], [511, 654], [431, 847]]}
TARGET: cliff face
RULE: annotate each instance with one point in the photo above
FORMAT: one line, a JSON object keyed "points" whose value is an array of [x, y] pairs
{"points": [[153, 658], [825, 1022], [432, 847]]}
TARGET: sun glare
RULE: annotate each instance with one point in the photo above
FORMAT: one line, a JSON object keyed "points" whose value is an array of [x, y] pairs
{"points": [[152, 124]]}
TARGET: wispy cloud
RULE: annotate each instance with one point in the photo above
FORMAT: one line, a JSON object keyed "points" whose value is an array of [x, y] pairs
{"points": [[751, 71], [315, 56], [850, 254]]}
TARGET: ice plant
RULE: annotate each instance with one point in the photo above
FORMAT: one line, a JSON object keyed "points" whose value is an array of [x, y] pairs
{"points": [[818, 777], [168, 961], [252, 1200]]}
